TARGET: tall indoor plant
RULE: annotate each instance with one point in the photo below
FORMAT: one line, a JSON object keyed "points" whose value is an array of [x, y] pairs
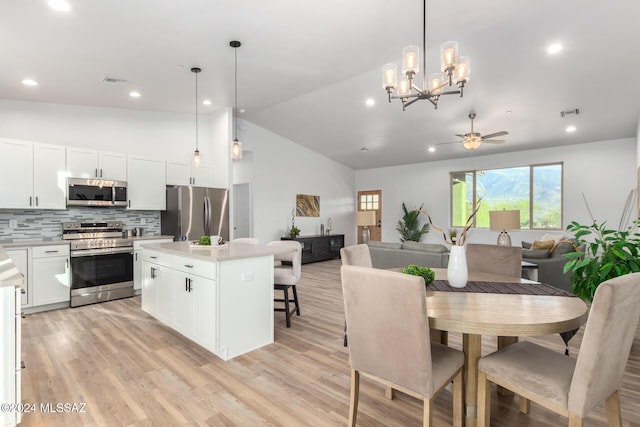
{"points": [[610, 254], [409, 226]]}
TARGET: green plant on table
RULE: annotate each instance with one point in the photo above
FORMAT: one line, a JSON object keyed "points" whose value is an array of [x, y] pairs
{"points": [[612, 253], [425, 272], [204, 240], [409, 226]]}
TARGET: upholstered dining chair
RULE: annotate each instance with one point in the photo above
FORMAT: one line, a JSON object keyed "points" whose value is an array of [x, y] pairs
{"points": [[355, 255], [285, 277], [494, 259], [249, 240], [389, 339], [565, 385]]}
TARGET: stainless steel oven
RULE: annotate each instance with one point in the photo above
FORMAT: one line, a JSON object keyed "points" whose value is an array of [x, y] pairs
{"points": [[101, 262]]}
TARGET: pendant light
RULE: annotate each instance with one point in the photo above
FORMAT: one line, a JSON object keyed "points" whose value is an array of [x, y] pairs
{"points": [[236, 148], [196, 154]]}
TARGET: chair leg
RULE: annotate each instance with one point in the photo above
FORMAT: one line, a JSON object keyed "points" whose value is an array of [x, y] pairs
{"points": [[295, 299], [353, 397], [427, 417], [287, 313], [502, 343], [525, 404], [389, 392], [613, 410], [344, 342], [484, 400], [458, 412]]}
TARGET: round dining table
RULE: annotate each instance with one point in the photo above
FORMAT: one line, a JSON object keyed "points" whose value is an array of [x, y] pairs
{"points": [[504, 315]]}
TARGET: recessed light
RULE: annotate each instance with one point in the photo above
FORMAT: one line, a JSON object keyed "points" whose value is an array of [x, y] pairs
{"points": [[364, 149], [432, 149], [29, 82], [206, 102], [135, 94], [60, 5], [242, 111], [570, 129], [370, 102], [554, 48], [509, 111]]}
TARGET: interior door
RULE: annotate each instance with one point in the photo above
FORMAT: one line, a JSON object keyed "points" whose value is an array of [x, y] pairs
{"points": [[371, 200], [241, 210]]}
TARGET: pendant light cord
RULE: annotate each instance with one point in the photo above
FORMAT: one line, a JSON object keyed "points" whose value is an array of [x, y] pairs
{"points": [[424, 45], [197, 109], [235, 115]]}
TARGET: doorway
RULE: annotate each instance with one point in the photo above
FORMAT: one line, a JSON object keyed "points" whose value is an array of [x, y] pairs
{"points": [[371, 200]]}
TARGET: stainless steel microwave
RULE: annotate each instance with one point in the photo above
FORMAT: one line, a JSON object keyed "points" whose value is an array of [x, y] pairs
{"points": [[96, 192]]}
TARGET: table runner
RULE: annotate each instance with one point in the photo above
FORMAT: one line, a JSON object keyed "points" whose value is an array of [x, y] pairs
{"points": [[500, 288]]}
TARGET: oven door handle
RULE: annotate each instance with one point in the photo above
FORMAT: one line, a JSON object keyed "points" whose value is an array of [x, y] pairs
{"points": [[102, 251]]}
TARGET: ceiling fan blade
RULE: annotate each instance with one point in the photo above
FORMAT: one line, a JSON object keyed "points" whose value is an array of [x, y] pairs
{"points": [[491, 135], [458, 134], [494, 141], [451, 142]]}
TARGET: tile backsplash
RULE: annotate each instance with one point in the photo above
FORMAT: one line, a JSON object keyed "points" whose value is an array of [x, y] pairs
{"points": [[47, 224]]}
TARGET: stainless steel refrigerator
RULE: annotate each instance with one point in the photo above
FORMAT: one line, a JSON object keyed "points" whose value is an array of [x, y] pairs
{"points": [[195, 211]]}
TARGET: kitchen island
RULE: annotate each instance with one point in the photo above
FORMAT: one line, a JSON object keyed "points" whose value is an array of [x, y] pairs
{"points": [[220, 297]]}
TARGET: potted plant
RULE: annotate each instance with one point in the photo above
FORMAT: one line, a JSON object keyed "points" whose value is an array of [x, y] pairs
{"points": [[409, 226], [612, 253], [293, 230]]}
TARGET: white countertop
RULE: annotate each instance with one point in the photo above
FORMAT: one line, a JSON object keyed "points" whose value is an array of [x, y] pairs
{"points": [[228, 251], [9, 274], [40, 242]]}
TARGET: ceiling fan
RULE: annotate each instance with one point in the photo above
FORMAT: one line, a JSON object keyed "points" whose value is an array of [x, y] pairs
{"points": [[472, 140]]}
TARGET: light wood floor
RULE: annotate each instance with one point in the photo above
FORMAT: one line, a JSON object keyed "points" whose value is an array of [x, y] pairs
{"points": [[132, 371]]}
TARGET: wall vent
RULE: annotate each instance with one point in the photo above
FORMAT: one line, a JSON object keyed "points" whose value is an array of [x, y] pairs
{"points": [[570, 112], [114, 80]]}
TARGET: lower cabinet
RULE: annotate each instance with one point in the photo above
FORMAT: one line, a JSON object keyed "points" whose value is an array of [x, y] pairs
{"points": [[51, 278], [20, 258], [10, 355], [137, 259], [194, 313]]}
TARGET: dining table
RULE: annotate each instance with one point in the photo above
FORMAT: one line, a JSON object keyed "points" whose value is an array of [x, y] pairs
{"points": [[537, 310]]}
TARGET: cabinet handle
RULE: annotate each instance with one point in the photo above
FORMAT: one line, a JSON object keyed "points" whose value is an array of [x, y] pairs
{"points": [[100, 173], [24, 316], [186, 284], [188, 265], [50, 252], [129, 203], [153, 273], [30, 201], [36, 200], [153, 257], [136, 254], [22, 365], [67, 263], [96, 175], [189, 285], [23, 291]]}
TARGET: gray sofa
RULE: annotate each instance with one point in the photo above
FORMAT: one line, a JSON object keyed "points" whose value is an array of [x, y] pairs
{"points": [[551, 263], [396, 255]]}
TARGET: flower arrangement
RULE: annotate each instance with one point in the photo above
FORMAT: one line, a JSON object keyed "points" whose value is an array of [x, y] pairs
{"points": [[452, 237], [293, 231]]}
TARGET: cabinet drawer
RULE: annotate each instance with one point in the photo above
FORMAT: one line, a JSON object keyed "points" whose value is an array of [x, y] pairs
{"points": [[50, 251], [157, 258], [194, 266]]}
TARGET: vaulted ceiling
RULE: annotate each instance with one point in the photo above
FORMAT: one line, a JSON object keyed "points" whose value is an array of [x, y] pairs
{"points": [[305, 67]]}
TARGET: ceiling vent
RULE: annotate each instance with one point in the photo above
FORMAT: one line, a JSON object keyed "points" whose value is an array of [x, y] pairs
{"points": [[114, 80], [570, 112]]}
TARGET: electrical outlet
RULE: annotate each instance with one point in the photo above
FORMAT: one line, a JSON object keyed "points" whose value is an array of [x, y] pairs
{"points": [[13, 223], [143, 221]]}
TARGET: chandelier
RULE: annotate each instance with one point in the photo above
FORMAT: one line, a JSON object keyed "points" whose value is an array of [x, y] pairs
{"points": [[454, 69]]}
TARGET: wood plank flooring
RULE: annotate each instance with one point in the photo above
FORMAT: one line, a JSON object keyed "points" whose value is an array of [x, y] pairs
{"points": [[130, 370]]}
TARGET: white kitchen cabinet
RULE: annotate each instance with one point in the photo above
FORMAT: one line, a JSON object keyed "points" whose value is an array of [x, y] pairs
{"points": [[85, 163], [156, 285], [51, 279], [137, 259], [146, 189], [194, 308], [32, 175], [10, 353], [186, 174], [20, 258]]}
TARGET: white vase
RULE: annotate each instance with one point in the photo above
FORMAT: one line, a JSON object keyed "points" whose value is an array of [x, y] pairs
{"points": [[457, 268]]}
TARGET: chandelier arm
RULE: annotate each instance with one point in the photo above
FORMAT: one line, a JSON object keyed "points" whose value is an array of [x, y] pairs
{"points": [[411, 95], [434, 101], [417, 89], [450, 92], [406, 104]]}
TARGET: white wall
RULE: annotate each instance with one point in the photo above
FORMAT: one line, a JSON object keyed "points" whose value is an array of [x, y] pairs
{"points": [[603, 171], [280, 170]]}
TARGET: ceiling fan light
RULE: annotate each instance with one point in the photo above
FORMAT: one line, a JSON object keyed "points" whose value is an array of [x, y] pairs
{"points": [[390, 77], [448, 56], [463, 69], [410, 58]]}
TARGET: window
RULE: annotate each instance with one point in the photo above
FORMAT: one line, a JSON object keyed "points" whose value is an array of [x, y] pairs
{"points": [[536, 191]]}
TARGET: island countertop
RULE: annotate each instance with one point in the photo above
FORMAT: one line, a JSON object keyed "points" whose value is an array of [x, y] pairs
{"points": [[9, 274], [228, 251]]}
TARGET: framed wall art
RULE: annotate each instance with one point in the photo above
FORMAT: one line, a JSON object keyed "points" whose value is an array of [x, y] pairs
{"points": [[307, 205]]}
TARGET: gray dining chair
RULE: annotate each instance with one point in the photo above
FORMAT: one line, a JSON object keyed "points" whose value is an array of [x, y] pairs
{"points": [[355, 255], [570, 387], [389, 339], [495, 259]]}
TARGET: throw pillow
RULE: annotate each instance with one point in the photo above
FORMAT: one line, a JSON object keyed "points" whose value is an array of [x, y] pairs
{"points": [[555, 237], [545, 244], [562, 247], [541, 254], [526, 245]]}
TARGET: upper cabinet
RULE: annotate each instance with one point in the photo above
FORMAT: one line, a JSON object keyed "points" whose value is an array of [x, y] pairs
{"points": [[185, 174], [146, 188], [84, 163], [32, 175]]}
